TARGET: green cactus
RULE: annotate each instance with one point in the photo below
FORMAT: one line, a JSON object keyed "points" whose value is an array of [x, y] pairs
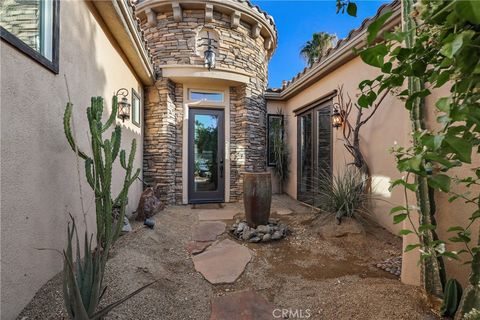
{"points": [[83, 280], [470, 305], [451, 298]]}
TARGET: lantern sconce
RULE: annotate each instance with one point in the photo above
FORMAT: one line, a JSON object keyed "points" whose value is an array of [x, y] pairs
{"points": [[209, 54], [337, 118], [123, 105]]}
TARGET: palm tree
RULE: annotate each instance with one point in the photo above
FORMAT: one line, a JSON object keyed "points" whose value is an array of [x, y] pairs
{"points": [[314, 49]]}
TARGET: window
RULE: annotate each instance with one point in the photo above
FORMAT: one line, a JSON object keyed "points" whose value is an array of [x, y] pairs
{"points": [[135, 108], [32, 27], [275, 133], [206, 96]]}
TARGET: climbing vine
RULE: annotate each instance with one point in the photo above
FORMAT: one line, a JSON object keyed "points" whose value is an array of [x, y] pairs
{"points": [[438, 47]]}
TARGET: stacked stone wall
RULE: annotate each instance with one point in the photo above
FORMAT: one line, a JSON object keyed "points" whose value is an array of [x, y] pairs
{"points": [[160, 139], [177, 43]]}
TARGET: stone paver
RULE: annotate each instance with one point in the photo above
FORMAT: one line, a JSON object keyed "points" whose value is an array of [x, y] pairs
{"points": [[208, 230], [195, 247], [216, 214], [242, 305], [223, 262], [283, 211]]}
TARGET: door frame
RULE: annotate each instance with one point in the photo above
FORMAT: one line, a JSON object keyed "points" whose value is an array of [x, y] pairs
{"points": [[217, 196], [187, 104], [313, 111]]}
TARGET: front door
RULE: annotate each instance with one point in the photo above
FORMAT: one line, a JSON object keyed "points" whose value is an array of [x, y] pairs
{"points": [[206, 156]]}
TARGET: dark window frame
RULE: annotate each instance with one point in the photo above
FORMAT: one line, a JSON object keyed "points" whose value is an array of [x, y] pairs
{"points": [[21, 46], [273, 162], [136, 95]]}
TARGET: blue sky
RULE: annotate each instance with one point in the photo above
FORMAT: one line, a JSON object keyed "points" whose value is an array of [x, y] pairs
{"points": [[296, 22]]}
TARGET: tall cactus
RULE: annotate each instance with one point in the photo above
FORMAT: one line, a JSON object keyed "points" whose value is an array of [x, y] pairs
{"points": [[98, 167], [83, 280], [431, 267]]}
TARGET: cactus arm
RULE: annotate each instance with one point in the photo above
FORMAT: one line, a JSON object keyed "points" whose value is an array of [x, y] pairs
{"points": [[116, 139], [122, 159], [68, 130], [89, 173], [113, 115], [106, 185]]}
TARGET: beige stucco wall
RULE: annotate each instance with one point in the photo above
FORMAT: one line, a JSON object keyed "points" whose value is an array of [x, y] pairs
{"points": [[390, 125], [378, 135], [38, 172]]}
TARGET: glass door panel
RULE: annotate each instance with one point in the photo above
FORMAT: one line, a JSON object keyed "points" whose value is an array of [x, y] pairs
{"points": [[206, 181], [305, 159]]}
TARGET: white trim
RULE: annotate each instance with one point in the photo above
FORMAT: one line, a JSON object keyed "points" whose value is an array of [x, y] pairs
{"points": [[225, 106]]}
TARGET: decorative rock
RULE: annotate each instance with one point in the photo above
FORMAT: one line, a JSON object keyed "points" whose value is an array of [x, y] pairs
{"points": [[223, 262], [263, 229], [255, 239], [126, 225], [276, 235], [208, 230], [263, 233], [148, 205], [241, 226], [266, 237], [243, 305]]}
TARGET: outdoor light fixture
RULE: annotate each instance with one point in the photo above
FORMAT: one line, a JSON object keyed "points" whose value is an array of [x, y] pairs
{"points": [[337, 119], [123, 105], [209, 54]]}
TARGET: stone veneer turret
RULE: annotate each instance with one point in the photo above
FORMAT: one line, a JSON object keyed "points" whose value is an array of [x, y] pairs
{"points": [[176, 31]]}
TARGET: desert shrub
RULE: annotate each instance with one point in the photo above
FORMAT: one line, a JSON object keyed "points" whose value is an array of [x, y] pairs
{"points": [[342, 194]]}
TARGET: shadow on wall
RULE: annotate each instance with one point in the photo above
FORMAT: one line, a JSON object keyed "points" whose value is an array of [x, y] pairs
{"points": [[39, 178]]}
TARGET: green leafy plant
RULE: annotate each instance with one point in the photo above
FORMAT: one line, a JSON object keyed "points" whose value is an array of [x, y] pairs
{"points": [[342, 194], [441, 49], [83, 279]]}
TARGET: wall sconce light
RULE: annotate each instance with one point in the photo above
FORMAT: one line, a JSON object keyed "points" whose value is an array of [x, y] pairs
{"points": [[337, 119], [209, 55], [123, 105]]}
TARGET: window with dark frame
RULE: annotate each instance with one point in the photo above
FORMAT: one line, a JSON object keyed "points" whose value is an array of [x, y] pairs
{"points": [[32, 26], [136, 108], [273, 120]]}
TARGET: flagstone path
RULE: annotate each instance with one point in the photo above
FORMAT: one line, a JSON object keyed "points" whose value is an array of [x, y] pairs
{"points": [[242, 305]]}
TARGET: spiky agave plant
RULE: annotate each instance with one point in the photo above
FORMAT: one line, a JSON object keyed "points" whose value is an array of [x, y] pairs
{"points": [[342, 193], [83, 279]]}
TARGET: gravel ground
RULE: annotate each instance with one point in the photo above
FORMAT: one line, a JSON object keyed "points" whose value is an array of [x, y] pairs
{"points": [[325, 269]]}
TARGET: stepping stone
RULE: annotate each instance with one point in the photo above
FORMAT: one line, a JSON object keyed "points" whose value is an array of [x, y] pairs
{"points": [[208, 230], [223, 262], [284, 211], [242, 305], [216, 214], [195, 247]]}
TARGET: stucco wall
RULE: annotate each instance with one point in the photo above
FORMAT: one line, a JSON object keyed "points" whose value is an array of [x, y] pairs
{"points": [[38, 172], [389, 125]]}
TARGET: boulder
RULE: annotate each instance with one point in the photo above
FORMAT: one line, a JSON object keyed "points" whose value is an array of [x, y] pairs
{"points": [[148, 205]]}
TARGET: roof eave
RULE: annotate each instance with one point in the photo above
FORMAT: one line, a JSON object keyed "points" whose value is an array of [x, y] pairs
{"points": [[120, 21]]}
